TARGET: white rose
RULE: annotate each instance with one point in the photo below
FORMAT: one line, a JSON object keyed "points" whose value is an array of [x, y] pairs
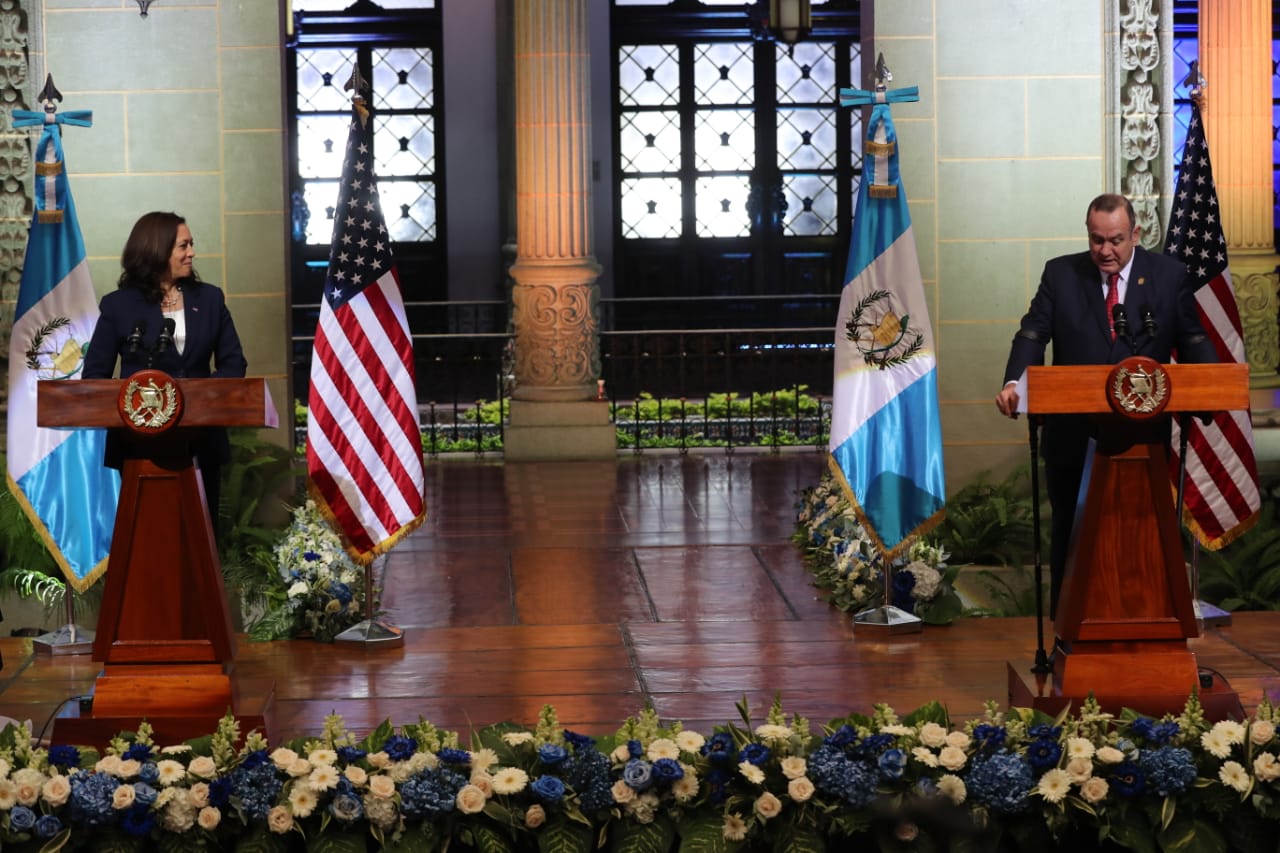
{"points": [[768, 806]]}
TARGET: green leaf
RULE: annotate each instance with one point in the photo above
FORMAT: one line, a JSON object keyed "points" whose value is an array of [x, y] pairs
{"points": [[560, 835], [1134, 835], [487, 839], [795, 839], [257, 840], [705, 834], [418, 838], [629, 836], [1191, 836], [336, 842]]}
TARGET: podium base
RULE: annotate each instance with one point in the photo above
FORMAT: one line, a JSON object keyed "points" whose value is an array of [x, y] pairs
{"points": [[70, 639], [372, 634], [81, 725], [888, 619], [1217, 698]]}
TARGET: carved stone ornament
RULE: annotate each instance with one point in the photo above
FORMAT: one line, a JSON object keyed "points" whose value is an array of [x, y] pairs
{"points": [[150, 402], [556, 335], [1140, 144], [1138, 388]]}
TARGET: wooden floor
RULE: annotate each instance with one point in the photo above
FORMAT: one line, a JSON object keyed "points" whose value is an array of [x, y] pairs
{"points": [[601, 588]]}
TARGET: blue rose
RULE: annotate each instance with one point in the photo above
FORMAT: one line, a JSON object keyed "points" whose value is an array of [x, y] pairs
{"points": [[48, 826], [346, 808], [21, 819], [552, 754], [638, 774], [892, 763], [549, 789], [635, 749]]}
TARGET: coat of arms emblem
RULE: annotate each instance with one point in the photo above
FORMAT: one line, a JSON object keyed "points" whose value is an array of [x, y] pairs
{"points": [[881, 332]]}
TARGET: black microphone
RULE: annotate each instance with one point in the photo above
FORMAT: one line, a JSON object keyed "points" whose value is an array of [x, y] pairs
{"points": [[1119, 321], [166, 334], [1149, 325], [134, 341]]}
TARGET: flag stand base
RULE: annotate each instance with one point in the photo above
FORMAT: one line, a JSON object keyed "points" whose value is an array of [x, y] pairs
{"points": [[70, 639], [372, 633], [892, 619], [1211, 616]]}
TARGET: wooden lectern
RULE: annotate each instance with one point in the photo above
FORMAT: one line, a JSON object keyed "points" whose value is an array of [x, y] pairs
{"points": [[164, 634], [1126, 608]]}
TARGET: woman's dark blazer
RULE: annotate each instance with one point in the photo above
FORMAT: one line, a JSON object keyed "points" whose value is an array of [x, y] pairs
{"points": [[212, 348]]}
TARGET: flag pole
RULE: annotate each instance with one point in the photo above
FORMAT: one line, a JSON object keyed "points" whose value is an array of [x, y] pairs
{"points": [[70, 639], [371, 631]]}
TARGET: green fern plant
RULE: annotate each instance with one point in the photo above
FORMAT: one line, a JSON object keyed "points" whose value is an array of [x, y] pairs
{"points": [[991, 523], [1245, 575]]}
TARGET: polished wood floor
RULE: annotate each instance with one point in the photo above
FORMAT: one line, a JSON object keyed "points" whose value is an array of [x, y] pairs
{"points": [[601, 588]]}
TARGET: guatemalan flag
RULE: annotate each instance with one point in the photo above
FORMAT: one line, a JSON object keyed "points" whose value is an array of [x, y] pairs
{"points": [[57, 475], [886, 435]]}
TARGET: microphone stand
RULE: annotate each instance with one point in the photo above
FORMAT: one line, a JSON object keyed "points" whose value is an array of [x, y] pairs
{"points": [[1042, 665]]}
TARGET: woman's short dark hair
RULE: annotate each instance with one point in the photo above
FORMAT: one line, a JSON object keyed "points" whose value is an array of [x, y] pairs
{"points": [[145, 258]]}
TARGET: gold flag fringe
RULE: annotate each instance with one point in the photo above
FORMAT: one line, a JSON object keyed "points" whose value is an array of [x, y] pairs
{"points": [[890, 554], [80, 585]]}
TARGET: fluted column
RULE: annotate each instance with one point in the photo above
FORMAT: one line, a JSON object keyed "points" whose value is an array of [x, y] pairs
{"points": [[555, 298], [1235, 58]]}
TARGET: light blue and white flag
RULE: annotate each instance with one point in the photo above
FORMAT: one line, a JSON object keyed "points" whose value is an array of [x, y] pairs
{"points": [[57, 475], [886, 435]]}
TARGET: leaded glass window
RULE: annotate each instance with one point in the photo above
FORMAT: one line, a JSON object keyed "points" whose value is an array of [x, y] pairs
{"points": [[735, 165]]}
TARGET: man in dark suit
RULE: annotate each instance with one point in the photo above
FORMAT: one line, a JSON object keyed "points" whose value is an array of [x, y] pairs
{"points": [[1155, 298]]}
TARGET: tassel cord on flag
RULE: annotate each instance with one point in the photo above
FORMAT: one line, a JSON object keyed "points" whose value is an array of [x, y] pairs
{"points": [[1042, 665]]}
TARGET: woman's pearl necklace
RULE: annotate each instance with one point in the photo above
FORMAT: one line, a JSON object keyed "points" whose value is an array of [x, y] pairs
{"points": [[171, 299]]}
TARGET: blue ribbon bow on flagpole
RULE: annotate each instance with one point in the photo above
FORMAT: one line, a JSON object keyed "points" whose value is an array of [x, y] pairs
{"points": [[50, 197]]}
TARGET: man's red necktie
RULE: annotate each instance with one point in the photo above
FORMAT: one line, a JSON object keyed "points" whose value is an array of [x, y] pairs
{"points": [[1113, 299]]}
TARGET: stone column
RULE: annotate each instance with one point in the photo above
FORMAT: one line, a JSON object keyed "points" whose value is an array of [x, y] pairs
{"points": [[1235, 59], [555, 296]]}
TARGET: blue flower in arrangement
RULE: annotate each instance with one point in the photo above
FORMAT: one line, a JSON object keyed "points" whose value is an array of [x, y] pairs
{"points": [[988, 737], [1156, 733], [1168, 770], [454, 756], [400, 748], [430, 793], [21, 819], [719, 748], [138, 752], [590, 773], [579, 742], [638, 774], [755, 753], [552, 754], [64, 756], [549, 789], [47, 826], [1127, 779], [351, 754], [1043, 753], [346, 805], [91, 798], [1001, 781], [137, 820], [635, 748], [256, 786], [892, 763], [851, 780], [667, 770]]}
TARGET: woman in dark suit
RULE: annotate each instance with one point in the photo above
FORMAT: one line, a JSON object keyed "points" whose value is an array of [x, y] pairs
{"points": [[158, 283]]}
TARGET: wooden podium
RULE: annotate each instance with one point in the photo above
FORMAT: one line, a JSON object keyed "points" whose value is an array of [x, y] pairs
{"points": [[1126, 608], [163, 634]]}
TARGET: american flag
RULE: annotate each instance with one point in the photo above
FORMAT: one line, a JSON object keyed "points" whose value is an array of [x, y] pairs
{"points": [[364, 451], [1222, 497]]}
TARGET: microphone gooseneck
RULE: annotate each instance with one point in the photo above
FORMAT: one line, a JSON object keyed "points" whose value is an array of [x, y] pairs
{"points": [[134, 341]]}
